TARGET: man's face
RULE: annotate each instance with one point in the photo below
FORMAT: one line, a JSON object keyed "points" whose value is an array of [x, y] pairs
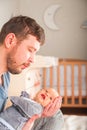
{"points": [[45, 96], [22, 55]]}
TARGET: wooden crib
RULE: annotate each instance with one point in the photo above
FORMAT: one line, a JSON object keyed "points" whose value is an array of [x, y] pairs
{"points": [[75, 90]]}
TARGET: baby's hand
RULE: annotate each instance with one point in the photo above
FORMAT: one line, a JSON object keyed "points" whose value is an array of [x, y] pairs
{"points": [[53, 107]]}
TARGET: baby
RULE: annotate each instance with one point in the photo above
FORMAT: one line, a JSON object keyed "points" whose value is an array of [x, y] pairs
{"points": [[14, 117], [45, 96]]}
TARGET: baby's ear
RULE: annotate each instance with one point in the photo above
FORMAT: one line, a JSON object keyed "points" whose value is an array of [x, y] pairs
{"points": [[10, 40]]}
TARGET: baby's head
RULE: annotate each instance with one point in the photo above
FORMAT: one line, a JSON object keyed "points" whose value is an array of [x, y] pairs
{"points": [[45, 96]]}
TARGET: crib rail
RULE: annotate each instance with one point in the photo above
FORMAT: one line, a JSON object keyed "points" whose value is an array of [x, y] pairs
{"points": [[79, 101]]}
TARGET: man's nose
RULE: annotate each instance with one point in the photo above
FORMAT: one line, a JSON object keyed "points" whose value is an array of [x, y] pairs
{"points": [[31, 59]]}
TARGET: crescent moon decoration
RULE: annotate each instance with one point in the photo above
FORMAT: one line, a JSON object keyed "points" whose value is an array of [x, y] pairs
{"points": [[49, 16]]}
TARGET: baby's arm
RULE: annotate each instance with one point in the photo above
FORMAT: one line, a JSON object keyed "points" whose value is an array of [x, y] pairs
{"points": [[30, 122]]}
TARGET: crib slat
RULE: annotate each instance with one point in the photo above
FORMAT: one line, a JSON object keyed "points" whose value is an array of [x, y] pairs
{"points": [[86, 83], [72, 79], [58, 77], [80, 84], [51, 77], [65, 87], [44, 78]]}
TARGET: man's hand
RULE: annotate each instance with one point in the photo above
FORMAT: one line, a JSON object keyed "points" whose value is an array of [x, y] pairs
{"points": [[30, 122], [53, 107]]}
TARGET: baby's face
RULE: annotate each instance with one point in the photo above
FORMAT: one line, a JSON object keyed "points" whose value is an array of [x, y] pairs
{"points": [[45, 96]]}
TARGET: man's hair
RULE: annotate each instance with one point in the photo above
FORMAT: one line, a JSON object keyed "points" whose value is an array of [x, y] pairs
{"points": [[22, 26]]}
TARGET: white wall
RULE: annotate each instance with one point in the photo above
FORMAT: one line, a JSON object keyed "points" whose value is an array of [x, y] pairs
{"points": [[8, 8], [71, 40], [68, 42]]}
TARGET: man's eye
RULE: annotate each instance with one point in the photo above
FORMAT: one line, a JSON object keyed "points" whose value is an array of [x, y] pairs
{"points": [[30, 50]]}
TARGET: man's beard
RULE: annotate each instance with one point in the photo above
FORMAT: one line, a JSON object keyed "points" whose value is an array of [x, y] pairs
{"points": [[12, 66]]}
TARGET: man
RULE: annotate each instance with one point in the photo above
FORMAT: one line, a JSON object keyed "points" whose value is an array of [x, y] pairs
{"points": [[20, 39]]}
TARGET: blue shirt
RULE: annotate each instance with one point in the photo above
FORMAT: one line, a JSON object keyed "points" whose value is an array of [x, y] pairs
{"points": [[4, 90]]}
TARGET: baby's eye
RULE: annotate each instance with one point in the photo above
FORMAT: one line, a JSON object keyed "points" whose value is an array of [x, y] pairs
{"points": [[50, 98], [46, 91]]}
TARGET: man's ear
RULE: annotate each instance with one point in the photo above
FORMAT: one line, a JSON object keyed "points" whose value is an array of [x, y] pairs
{"points": [[10, 40]]}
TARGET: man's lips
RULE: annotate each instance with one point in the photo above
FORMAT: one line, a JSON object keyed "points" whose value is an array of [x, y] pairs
{"points": [[25, 66]]}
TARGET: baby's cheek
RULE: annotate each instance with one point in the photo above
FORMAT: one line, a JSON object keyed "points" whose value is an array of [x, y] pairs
{"points": [[47, 101]]}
